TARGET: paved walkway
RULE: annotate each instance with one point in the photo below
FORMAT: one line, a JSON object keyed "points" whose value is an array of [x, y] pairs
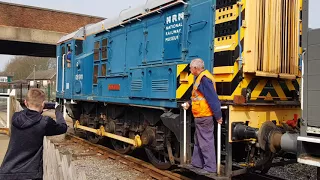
{"points": [[4, 141]]}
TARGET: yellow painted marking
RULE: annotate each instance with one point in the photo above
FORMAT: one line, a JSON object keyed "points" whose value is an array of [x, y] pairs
{"points": [[223, 70], [226, 12], [256, 92], [268, 97], [180, 68], [226, 77], [290, 85], [184, 87], [229, 42], [279, 90]]}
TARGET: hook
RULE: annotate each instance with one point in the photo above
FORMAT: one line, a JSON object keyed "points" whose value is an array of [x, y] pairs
{"points": [[146, 9]]}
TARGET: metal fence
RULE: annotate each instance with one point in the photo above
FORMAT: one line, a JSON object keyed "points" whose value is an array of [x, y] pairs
{"points": [[8, 105], [22, 90]]}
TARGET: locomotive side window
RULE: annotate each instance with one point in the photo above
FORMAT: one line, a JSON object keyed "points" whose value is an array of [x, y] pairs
{"points": [[63, 50], [96, 51], [95, 74], [79, 47], [103, 70], [104, 49]]}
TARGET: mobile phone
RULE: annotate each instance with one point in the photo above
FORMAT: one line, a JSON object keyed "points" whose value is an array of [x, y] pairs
{"points": [[49, 105]]}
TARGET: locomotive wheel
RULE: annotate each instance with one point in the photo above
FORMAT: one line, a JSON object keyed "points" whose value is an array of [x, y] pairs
{"points": [[120, 147], [158, 159], [79, 132], [92, 137]]}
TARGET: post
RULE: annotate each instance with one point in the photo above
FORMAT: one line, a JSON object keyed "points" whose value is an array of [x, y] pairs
{"points": [[21, 92], [64, 109], [228, 164], [219, 145], [49, 92], [184, 134], [34, 74], [219, 149]]}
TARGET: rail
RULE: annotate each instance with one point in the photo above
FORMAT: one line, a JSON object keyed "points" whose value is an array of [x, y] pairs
{"points": [[134, 163]]}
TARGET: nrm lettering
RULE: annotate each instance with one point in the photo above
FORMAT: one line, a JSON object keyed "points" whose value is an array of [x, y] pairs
{"points": [[175, 17]]}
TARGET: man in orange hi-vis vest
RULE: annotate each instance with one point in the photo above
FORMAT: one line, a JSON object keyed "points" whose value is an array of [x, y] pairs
{"points": [[204, 105]]}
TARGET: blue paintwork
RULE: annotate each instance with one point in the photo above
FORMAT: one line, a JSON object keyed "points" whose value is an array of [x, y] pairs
{"points": [[142, 57]]}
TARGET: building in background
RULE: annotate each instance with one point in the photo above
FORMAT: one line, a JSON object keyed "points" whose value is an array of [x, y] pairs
{"points": [[45, 80], [5, 77], [42, 78]]}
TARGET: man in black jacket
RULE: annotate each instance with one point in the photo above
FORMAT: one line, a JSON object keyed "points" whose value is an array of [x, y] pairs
{"points": [[23, 159]]}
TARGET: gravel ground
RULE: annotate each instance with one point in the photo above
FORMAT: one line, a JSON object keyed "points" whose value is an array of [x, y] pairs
{"points": [[94, 166], [295, 172]]}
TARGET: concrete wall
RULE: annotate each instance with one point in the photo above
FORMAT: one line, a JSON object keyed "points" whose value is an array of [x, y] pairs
{"points": [[29, 35]]}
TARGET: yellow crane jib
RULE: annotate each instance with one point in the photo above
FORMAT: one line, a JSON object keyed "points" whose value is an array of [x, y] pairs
{"points": [[136, 142]]}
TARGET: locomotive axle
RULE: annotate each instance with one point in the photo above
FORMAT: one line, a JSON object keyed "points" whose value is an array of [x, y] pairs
{"points": [[136, 142]]}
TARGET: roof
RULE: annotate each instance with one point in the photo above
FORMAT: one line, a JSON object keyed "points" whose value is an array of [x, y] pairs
{"points": [[125, 16], [6, 74], [42, 75]]}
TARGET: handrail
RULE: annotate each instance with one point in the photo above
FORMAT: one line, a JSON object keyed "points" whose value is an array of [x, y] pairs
{"points": [[62, 90], [57, 74]]}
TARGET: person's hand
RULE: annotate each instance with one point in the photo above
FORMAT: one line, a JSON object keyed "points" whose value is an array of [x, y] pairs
{"points": [[219, 120], [185, 105], [58, 107]]}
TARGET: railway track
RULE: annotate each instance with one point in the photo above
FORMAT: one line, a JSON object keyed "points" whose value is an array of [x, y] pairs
{"points": [[132, 162], [255, 175], [149, 169], [252, 175]]}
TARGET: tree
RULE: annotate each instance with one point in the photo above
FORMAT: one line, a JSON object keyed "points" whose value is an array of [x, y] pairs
{"points": [[22, 66]]}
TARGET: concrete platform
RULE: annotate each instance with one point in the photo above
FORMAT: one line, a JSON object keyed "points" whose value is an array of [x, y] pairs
{"points": [[4, 141]]}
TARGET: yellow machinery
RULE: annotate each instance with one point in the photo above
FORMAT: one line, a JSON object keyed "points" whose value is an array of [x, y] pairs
{"points": [[257, 72]]}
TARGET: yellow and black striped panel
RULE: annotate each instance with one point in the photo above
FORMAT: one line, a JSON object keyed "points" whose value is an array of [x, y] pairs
{"points": [[262, 89], [271, 89], [184, 82], [227, 49], [227, 27]]}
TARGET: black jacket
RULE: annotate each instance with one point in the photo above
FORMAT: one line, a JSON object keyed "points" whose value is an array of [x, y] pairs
{"points": [[23, 159]]}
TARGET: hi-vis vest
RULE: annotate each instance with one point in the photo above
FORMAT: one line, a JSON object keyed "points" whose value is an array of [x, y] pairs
{"points": [[200, 106]]}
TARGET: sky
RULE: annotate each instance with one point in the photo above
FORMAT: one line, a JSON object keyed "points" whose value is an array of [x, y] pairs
{"points": [[101, 8], [111, 8]]}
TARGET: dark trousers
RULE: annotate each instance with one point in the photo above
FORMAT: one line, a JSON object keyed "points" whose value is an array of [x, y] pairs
{"points": [[204, 152]]}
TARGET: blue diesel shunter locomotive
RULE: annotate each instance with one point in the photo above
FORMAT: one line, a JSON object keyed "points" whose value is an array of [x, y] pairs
{"points": [[125, 78]]}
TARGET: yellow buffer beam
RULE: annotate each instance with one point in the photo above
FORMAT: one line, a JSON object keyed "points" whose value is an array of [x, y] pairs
{"points": [[136, 142]]}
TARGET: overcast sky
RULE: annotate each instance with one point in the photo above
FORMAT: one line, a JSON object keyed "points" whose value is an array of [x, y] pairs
{"points": [[101, 8], [111, 8]]}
